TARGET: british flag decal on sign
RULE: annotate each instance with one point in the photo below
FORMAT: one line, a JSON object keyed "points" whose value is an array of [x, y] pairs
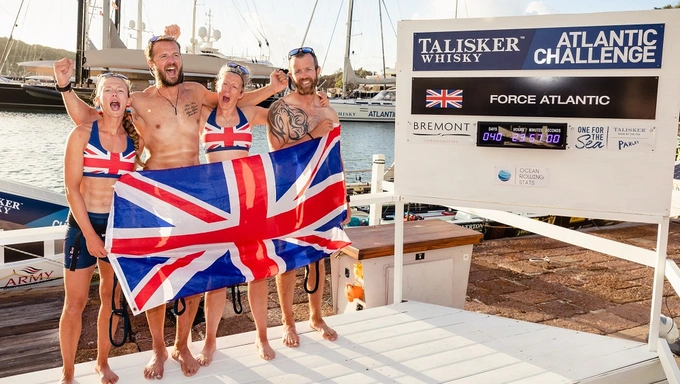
{"points": [[444, 98], [179, 232]]}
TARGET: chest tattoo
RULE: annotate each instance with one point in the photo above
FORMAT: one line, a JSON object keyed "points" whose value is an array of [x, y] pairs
{"points": [[191, 108], [282, 115]]}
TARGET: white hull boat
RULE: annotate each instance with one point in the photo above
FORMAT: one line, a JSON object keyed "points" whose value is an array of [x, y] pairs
{"points": [[380, 108]]}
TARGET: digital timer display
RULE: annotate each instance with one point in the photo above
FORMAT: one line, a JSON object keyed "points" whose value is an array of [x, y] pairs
{"points": [[522, 135]]}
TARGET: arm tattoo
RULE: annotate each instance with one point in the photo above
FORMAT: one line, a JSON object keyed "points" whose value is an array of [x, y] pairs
{"points": [[282, 115]]}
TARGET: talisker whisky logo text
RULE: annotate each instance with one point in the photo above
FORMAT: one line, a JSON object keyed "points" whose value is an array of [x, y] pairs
{"points": [[7, 205], [594, 47]]}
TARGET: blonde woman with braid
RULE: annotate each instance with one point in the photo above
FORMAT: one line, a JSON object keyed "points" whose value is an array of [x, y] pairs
{"points": [[97, 154], [227, 135]]}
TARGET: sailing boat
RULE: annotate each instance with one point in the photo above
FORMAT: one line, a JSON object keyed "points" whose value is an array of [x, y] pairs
{"points": [[200, 65], [380, 108]]}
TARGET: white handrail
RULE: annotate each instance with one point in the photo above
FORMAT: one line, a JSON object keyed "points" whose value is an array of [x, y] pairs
{"points": [[30, 235]]}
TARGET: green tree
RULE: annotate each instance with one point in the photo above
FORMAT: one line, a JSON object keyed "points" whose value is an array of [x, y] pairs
{"points": [[20, 52], [669, 6]]}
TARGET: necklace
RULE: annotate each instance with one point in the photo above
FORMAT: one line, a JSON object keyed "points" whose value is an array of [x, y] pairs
{"points": [[176, 100], [227, 121]]}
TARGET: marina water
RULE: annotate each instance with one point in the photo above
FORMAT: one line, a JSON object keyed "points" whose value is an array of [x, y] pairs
{"points": [[32, 147]]}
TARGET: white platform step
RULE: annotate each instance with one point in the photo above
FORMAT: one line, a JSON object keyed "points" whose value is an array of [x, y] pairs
{"points": [[408, 343]]}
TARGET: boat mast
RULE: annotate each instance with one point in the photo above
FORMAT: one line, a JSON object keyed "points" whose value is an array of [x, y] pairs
{"points": [[5, 52], [116, 15], [304, 38], [193, 31], [382, 39], [347, 48], [140, 25], [106, 25], [80, 41]]}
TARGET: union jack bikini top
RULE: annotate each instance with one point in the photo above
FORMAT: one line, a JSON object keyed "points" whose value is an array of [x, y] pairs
{"points": [[216, 138], [98, 162]]}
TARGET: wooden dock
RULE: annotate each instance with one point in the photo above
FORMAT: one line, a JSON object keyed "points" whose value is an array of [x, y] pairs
{"points": [[410, 342], [29, 321]]}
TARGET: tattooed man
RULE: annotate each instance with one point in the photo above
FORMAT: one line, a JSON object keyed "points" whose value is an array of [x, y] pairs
{"points": [[296, 118]]}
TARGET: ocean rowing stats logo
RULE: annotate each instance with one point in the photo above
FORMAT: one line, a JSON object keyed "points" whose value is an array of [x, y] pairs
{"points": [[504, 175], [444, 98]]}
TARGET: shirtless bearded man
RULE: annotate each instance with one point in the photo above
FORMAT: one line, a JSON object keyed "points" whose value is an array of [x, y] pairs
{"points": [[290, 121]]}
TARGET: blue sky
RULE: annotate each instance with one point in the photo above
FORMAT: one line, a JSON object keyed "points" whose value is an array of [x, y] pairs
{"points": [[283, 23]]}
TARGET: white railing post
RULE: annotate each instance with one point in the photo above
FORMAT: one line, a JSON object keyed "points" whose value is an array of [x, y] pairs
{"points": [[48, 248], [398, 250], [377, 171], [657, 290]]}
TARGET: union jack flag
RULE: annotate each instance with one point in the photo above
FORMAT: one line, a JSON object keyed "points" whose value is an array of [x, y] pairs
{"points": [[106, 164], [175, 233], [444, 98], [216, 137]]}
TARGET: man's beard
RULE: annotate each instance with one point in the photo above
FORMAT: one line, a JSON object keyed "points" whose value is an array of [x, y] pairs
{"points": [[310, 90], [161, 78]]}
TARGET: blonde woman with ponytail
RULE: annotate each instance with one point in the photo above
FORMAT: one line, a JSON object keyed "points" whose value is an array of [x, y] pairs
{"points": [[96, 155]]}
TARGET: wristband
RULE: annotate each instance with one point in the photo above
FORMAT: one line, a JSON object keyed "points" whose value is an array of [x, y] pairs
{"points": [[63, 89], [348, 199], [310, 135]]}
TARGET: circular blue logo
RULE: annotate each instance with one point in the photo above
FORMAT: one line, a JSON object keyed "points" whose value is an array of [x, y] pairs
{"points": [[504, 175]]}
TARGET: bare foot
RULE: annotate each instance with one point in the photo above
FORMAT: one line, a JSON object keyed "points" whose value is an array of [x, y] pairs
{"points": [[66, 378], [106, 375], [205, 357], [326, 332], [186, 361], [290, 337], [154, 368], [265, 350]]}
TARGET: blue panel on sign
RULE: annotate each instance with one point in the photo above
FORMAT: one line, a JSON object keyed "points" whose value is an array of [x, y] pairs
{"points": [[588, 47]]}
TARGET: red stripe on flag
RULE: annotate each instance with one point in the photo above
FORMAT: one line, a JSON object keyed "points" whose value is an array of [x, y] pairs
{"points": [[193, 209], [158, 278], [254, 255], [252, 186], [323, 242]]}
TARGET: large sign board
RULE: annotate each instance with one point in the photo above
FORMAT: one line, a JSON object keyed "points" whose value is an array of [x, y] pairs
{"points": [[568, 114]]}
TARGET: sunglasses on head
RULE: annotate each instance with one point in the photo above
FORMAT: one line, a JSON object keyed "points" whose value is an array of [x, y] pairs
{"points": [[239, 67], [300, 50], [154, 39], [111, 74]]}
